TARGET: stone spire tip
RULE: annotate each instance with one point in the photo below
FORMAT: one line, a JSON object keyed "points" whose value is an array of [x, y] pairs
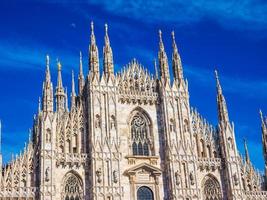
{"points": [[92, 26], [106, 28]]}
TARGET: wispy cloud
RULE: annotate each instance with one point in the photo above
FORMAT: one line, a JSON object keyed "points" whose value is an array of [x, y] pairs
{"points": [[244, 14], [32, 56], [244, 87]]}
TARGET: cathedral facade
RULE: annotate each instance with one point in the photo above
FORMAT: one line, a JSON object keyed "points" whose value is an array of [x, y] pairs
{"points": [[129, 136]]}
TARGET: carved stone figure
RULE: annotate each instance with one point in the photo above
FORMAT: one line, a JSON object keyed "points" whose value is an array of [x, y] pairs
{"points": [[99, 175], [47, 174], [115, 176]]}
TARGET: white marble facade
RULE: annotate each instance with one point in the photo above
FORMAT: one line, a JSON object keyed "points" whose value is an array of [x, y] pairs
{"points": [[129, 136]]}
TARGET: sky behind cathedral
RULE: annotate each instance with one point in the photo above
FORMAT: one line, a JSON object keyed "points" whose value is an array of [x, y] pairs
{"points": [[230, 36]]}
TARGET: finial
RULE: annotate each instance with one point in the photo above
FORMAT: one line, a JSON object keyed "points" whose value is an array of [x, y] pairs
{"points": [[59, 67], [217, 80], [173, 36], [106, 28], [246, 150], [92, 27], [47, 61], [73, 83], [160, 35], [156, 68], [81, 66], [261, 115], [216, 75], [80, 56], [39, 105], [30, 134]]}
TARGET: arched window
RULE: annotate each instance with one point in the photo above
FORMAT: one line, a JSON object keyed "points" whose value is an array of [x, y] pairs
{"points": [[72, 188], [140, 135], [211, 189], [144, 193]]}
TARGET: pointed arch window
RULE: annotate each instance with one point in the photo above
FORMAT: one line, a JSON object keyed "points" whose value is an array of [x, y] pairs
{"points": [[211, 189], [140, 135], [72, 188]]}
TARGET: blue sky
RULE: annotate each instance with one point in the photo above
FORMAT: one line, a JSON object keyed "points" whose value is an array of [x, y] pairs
{"points": [[230, 36]]}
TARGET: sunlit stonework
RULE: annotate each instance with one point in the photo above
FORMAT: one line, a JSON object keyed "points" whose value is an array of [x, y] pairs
{"points": [[129, 136]]}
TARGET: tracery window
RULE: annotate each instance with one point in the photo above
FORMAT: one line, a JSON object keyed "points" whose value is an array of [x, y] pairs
{"points": [[73, 189], [211, 189], [144, 193], [140, 136]]}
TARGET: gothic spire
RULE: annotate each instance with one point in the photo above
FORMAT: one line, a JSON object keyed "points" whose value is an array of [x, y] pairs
{"points": [[108, 55], [81, 76], [60, 95], [73, 94], [156, 68], [221, 103], [0, 140], [66, 102], [264, 136], [163, 61], [47, 72], [246, 152], [176, 61], [47, 99], [93, 54]]}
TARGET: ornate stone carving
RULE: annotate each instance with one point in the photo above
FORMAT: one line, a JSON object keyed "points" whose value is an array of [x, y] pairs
{"points": [[99, 175], [115, 176], [47, 174], [177, 178]]}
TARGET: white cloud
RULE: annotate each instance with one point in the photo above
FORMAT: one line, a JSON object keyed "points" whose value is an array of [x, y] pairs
{"points": [[241, 14], [256, 88]]}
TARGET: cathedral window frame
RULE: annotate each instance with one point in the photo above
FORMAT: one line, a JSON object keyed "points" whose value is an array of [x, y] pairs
{"points": [[211, 188], [71, 191], [146, 139]]}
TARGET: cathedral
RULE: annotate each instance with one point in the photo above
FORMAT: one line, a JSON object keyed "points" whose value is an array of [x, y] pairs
{"points": [[130, 135]]}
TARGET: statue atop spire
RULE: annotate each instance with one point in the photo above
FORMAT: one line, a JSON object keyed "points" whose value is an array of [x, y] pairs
{"points": [[93, 55], [163, 61], [73, 94], [47, 73], [221, 103], [81, 76], [246, 152], [108, 56], [47, 99], [176, 61], [60, 95]]}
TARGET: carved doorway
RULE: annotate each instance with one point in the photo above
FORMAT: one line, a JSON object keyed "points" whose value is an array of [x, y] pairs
{"points": [[144, 193]]}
